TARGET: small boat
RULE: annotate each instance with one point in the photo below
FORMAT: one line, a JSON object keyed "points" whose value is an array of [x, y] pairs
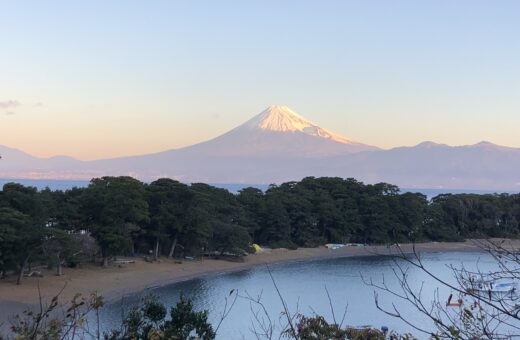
{"points": [[494, 287], [505, 287]]}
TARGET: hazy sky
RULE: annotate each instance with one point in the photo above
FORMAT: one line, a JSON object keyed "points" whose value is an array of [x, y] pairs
{"points": [[96, 79]]}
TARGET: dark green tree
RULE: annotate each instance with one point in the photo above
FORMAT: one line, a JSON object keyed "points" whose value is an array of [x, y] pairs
{"points": [[230, 238], [115, 209], [59, 246], [170, 205], [185, 321], [31, 223], [149, 322], [253, 203], [11, 222]]}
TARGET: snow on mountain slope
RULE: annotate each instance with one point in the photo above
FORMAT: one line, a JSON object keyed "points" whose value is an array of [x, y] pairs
{"points": [[283, 119], [278, 131]]}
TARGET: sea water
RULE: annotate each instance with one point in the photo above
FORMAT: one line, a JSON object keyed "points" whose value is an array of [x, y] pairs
{"points": [[303, 286]]}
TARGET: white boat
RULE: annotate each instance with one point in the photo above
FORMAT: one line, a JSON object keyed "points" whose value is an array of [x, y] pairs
{"points": [[495, 287]]}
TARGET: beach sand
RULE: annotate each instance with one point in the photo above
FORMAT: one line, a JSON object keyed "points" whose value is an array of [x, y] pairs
{"points": [[116, 281]]}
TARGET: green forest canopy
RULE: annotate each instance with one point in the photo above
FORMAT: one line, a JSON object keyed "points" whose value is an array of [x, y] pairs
{"points": [[121, 216]]}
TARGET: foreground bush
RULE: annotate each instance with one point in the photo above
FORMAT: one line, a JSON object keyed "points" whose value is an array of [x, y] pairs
{"points": [[149, 322]]}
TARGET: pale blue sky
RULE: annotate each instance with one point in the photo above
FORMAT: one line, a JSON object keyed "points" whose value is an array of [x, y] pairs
{"points": [[96, 79]]}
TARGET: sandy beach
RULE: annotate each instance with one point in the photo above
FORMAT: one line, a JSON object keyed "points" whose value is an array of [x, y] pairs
{"points": [[116, 281]]}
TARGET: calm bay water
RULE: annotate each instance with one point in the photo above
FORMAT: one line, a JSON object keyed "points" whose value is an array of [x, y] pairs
{"points": [[303, 286]]}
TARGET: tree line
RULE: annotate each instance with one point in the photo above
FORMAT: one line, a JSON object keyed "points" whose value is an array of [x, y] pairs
{"points": [[123, 216]]}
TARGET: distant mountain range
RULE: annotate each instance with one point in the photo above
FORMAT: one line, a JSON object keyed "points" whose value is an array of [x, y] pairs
{"points": [[279, 145]]}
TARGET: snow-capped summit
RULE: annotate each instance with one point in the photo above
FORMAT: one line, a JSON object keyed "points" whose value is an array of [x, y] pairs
{"points": [[279, 132], [282, 119]]}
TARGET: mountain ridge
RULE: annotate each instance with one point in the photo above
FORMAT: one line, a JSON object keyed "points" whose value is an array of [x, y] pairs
{"points": [[278, 145]]}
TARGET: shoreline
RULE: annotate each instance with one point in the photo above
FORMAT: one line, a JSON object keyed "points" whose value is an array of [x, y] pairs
{"points": [[117, 281]]}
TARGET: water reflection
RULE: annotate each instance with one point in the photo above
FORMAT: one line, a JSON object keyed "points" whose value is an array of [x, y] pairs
{"points": [[302, 285]]}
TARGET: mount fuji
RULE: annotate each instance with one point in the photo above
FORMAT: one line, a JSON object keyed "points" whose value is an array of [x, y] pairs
{"points": [[278, 132], [279, 145]]}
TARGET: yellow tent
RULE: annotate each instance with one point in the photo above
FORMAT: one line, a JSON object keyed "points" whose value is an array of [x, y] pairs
{"points": [[257, 247]]}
